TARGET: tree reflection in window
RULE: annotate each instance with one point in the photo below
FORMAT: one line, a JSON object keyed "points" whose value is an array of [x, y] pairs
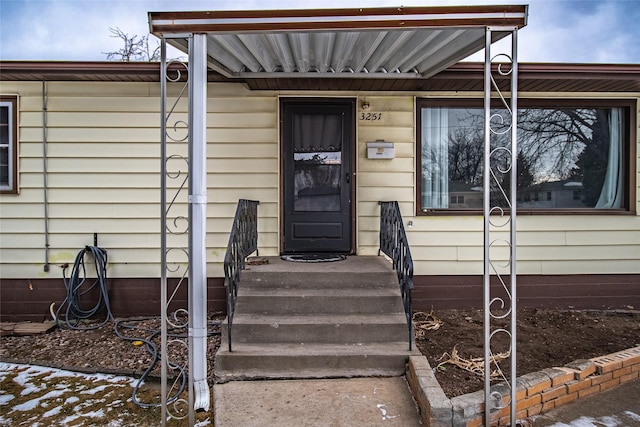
{"points": [[561, 152]]}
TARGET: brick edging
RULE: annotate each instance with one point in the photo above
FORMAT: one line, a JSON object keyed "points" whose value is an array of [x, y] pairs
{"points": [[536, 392]]}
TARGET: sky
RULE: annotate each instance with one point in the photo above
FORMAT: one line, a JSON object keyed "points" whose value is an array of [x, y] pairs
{"points": [[576, 31]]}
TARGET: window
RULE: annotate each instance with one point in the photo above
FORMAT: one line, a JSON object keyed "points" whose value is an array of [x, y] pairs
{"points": [[8, 144], [457, 200], [572, 155]]}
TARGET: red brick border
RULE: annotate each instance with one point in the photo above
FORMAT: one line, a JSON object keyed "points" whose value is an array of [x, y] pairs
{"points": [[537, 392]]}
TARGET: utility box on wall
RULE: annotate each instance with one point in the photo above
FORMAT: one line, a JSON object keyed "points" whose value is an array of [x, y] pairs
{"points": [[380, 150]]}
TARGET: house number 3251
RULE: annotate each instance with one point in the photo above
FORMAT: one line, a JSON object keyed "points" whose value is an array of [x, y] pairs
{"points": [[370, 117]]}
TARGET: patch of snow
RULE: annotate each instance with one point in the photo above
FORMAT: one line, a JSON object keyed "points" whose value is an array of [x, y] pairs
{"points": [[52, 412], [95, 389], [29, 389], [115, 379], [72, 399], [632, 415], [591, 422], [6, 398], [383, 409], [95, 414], [70, 419], [33, 403], [86, 404], [92, 414]]}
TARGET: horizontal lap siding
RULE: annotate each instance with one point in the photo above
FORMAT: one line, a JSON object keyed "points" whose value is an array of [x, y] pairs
{"points": [[104, 162], [384, 180]]}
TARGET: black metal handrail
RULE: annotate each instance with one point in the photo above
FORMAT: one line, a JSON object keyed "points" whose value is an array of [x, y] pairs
{"points": [[394, 244], [243, 241]]}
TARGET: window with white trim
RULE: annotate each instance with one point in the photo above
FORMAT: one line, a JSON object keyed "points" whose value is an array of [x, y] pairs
{"points": [[573, 155], [8, 144]]}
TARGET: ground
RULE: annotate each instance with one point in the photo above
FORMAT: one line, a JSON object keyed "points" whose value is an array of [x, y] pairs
{"points": [[28, 397], [546, 338]]}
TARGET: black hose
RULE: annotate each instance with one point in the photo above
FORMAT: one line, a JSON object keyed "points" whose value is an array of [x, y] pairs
{"points": [[180, 383], [78, 285]]}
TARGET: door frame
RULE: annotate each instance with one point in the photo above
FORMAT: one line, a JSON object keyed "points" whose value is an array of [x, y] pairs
{"points": [[352, 103]]}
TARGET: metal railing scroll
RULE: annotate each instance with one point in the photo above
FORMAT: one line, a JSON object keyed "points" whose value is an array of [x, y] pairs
{"points": [[394, 244], [174, 236], [500, 182], [243, 241]]}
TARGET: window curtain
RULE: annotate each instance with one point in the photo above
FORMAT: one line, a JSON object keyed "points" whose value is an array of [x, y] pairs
{"points": [[317, 133], [611, 194], [435, 158]]}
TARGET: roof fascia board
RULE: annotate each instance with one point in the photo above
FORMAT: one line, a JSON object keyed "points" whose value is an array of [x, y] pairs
{"points": [[166, 23]]}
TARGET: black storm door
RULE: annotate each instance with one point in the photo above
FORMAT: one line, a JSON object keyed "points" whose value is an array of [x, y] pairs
{"points": [[317, 172]]}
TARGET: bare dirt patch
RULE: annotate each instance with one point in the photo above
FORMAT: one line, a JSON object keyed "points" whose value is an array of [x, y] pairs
{"points": [[102, 350], [545, 338]]}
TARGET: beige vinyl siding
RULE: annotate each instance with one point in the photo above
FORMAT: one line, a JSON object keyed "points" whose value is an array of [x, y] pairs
{"points": [[103, 146], [384, 179], [94, 156], [104, 162]]}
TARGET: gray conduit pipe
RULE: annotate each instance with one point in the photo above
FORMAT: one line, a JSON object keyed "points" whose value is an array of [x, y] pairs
{"points": [[45, 176]]}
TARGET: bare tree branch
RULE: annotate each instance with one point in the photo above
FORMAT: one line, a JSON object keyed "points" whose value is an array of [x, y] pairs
{"points": [[135, 48]]}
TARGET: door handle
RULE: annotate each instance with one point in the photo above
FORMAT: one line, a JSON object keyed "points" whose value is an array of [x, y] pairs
{"points": [[347, 177]]}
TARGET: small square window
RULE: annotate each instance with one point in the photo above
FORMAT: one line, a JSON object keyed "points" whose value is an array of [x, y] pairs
{"points": [[8, 144], [456, 200]]}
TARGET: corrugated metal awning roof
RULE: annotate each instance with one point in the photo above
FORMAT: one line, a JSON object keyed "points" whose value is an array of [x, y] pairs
{"points": [[344, 43]]}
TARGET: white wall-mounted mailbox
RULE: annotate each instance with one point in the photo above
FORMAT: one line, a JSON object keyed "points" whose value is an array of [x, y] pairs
{"points": [[380, 150]]}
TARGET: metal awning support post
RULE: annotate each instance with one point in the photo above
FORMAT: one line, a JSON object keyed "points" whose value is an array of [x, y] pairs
{"points": [[197, 224], [500, 196], [163, 232]]}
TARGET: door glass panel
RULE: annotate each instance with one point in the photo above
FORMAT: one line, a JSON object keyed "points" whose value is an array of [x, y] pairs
{"points": [[317, 158]]}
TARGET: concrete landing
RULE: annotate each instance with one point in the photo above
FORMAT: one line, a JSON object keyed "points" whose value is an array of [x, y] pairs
{"points": [[318, 403]]}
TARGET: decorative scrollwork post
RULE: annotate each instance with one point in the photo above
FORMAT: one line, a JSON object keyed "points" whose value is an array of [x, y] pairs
{"points": [[174, 223], [500, 181]]}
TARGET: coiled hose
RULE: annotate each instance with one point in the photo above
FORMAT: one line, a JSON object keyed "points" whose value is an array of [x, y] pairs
{"points": [[78, 285]]}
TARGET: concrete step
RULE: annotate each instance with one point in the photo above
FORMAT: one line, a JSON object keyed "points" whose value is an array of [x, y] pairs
{"points": [[286, 360], [257, 279], [319, 301], [316, 320], [351, 329]]}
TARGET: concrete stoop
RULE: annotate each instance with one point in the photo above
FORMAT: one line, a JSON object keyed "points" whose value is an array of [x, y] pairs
{"points": [[316, 320]]}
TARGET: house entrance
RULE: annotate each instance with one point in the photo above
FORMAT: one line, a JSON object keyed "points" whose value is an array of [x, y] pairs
{"points": [[317, 170]]}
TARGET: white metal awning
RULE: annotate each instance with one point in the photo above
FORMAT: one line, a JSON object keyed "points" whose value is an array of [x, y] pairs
{"points": [[358, 43], [401, 42]]}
